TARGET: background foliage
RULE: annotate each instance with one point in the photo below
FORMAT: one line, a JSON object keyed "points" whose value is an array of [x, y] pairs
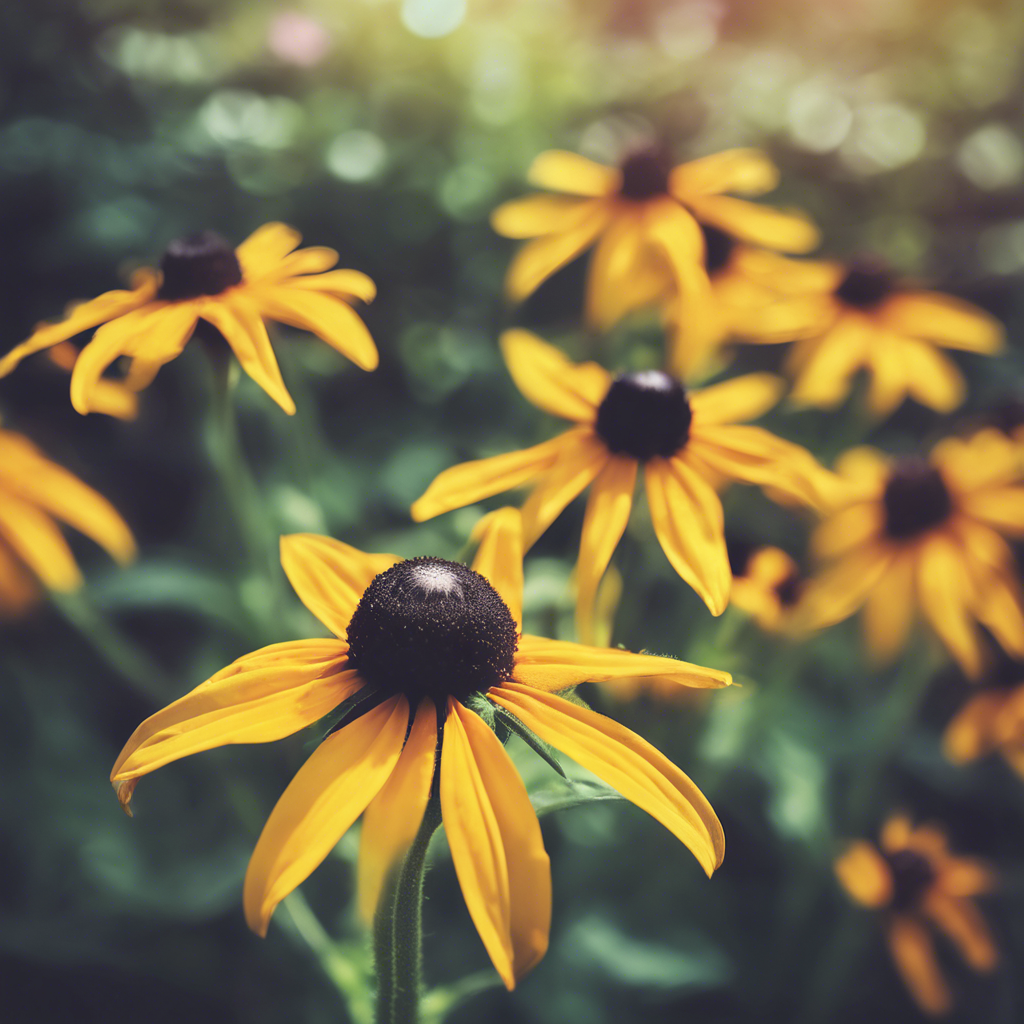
{"points": [[389, 130]]}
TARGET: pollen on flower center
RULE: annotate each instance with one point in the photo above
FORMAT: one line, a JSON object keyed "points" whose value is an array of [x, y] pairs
{"points": [[915, 499], [866, 284], [911, 876], [427, 627], [645, 174], [718, 248], [199, 264], [644, 414]]}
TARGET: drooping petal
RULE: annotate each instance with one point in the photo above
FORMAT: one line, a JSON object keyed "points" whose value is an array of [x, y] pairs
{"points": [[393, 816], [782, 230], [629, 764], [944, 590], [841, 589], [562, 171], [499, 557], [687, 518], [737, 400], [943, 319], [265, 248], [345, 284], [553, 665], [746, 171], [889, 608], [469, 482], [329, 576], [961, 920], [914, 956], [932, 378], [18, 590], [326, 796], [824, 376], [538, 214], [616, 258], [971, 732], [608, 507], [865, 875], [889, 381], [551, 381], [36, 539]]}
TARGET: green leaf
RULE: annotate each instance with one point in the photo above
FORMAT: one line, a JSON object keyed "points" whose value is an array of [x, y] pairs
{"points": [[530, 738], [353, 707], [479, 704], [576, 792]]}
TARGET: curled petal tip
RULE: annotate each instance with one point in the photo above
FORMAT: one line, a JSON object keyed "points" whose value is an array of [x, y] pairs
{"points": [[124, 789]]}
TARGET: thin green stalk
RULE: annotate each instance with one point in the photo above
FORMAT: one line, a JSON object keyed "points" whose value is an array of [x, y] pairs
{"points": [[398, 931]]}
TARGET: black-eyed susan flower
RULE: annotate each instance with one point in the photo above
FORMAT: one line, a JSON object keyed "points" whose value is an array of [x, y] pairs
{"points": [[419, 643], [991, 720], [685, 440], [870, 320], [202, 281], [644, 217], [925, 534], [767, 584], [110, 397], [914, 881], [34, 492]]}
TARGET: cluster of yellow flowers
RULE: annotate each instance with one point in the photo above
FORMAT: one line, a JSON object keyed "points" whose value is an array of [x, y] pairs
{"points": [[426, 649]]}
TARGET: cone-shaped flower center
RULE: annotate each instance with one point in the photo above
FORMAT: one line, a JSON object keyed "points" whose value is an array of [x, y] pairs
{"points": [[1008, 416], [866, 284], [645, 174], [644, 414], [911, 876], [916, 499], [427, 627], [199, 264], [718, 248]]}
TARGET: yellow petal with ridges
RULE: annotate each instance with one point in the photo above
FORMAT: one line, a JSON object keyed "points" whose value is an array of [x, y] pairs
{"points": [[264, 249], [345, 284], [499, 557]]}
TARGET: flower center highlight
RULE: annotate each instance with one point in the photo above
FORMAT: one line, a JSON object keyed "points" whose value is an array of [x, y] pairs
{"points": [[718, 248], [911, 876], [644, 414], [645, 174], [431, 628], [916, 499], [199, 264], [866, 284]]}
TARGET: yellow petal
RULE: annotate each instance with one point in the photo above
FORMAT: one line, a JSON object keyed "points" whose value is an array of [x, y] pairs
{"points": [[561, 171], [500, 556], [932, 378], [611, 498], [552, 665], [944, 592], [737, 400], [889, 609], [330, 318], [393, 816], [865, 471], [329, 576], [988, 459], [345, 284], [616, 258], [538, 215], [687, 518], [678, 237], [626, 762], [551, 381], [840, 590], [37, 541], [746, 171], [264, 249], [263, 696], [326, 796], [914, 957], [782, 230], [971, 731], [825, 376], [471, 481], [1000, 507], [897, 833], [18, 590], [865, 875], [960, 919], [890, 377], [315, 260], [943, 319]]}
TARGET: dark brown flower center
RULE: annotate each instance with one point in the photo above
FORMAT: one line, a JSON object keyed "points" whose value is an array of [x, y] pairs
{"points": [[427, 627], [645, 174], [718, 248], [1008, 416], [199, 264], [912, 874], [789, 589], [644, 414], [916, 499], [866, 284], [740, 552]]}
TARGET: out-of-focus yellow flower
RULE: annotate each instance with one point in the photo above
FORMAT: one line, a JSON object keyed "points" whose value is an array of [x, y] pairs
{"points": [[915, 881], [425, 642], [33, 493], [644, 217], [202, 281], [768, 587], [683, 439], [869, 320], [913, 533], [991, 720], [110, 397]]}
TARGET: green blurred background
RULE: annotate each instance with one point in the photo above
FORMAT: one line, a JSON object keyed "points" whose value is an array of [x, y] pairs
{"points": [[389, 129]]}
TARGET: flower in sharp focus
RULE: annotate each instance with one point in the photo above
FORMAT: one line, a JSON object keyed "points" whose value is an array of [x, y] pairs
{"points": [[871, 321], [421, 643], [644, 217], [915, 881], [767, 584], [925, 533], [34, 492], [227, 294], [991, 720], [686, 441]]}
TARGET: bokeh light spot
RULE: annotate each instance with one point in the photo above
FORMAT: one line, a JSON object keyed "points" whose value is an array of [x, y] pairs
{"points": [[432, 19]]}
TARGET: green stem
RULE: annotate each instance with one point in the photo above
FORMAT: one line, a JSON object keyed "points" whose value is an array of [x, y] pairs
{"points": [[398, 931]]}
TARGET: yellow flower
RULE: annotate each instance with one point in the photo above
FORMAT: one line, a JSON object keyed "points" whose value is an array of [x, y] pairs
{"points": [[644, 217], [226, 294], [33, 493], [684, 439], [915, 880], [110, 397], [990, 721], [870, 321], [925, 533], [767, 586], [424, 640]]}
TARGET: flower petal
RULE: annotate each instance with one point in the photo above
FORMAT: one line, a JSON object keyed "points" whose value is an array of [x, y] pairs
{"points": [[613, 266], [1000, 507], [562, 171], [840, 590], [261, 697], [499, 557], [889, 608], [36, 539], [824, 375], [847, 528], [971, 732], [538, 214], [629, 764], [932, 378], [943, 319], [18, 590], [781, 230], [345, 284], [393, 816], [944, 588], [678, 237], [264, 249], [746, 171], [737, 400], [865, 875], [961, 920], [326, 796], [551, 381], [914, 956], [329, 576]]}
